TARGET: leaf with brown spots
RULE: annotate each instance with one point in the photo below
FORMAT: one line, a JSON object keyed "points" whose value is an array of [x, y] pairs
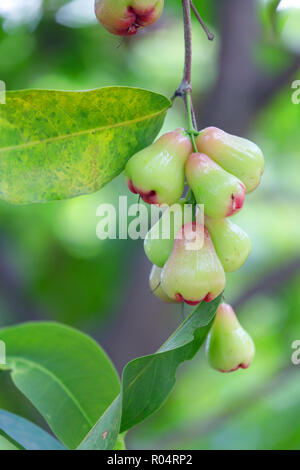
{"points": [[57, 145]]}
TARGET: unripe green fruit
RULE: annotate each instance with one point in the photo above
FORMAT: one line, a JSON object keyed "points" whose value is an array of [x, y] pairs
{"points": [[155, 285], [126, 17], [193, 272], [236, 155], [229, 347], [232, 244], [157, 172], [159, 240], [221, 193]]}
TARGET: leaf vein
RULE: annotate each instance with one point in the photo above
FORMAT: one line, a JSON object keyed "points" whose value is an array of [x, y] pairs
{"points": [[80, 133], [58, 381]]}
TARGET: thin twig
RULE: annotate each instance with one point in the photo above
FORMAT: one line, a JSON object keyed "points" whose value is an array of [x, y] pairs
{"points": [[210, 36], [185, 85], [185, 88], [187, 77]]}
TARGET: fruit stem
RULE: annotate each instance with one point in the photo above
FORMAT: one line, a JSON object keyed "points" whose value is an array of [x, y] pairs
{"points": [[191, 129], [209, 35]]}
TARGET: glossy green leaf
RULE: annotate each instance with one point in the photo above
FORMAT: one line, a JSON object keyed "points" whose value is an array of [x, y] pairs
{"points": [[64, 373], [147, 381], [28, 435], [56, 145], [104, 434]]}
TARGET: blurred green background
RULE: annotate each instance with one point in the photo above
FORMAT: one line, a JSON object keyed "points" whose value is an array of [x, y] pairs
{"points": [[52, 266]]}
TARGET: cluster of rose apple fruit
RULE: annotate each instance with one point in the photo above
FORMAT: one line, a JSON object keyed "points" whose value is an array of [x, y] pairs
{"points": [[220, 169], [220, 174]]}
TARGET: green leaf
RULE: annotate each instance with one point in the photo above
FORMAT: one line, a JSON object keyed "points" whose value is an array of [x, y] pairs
{"points": [[28, 435], [64, 373], [57, 145], [7, 443], [147, 381], [105, 433]]}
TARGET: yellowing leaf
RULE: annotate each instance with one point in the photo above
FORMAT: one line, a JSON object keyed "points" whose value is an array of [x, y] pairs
{"points": [[57, 145]]}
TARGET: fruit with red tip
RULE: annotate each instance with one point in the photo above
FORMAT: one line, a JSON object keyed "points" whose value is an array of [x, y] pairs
{"points": [[229, 347], [221, 193], [126, 17], [157, 172], [238, 156], [155, 285], [193, 272], [159, 241], [232, 244]]}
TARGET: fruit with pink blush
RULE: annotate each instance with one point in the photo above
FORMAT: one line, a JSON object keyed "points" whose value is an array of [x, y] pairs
{"points": [[232, 244], [229, 347], [155, 285], [159, 241], [157, 172], [238, 156], [193, 272], [126, 17], [221, 193]]}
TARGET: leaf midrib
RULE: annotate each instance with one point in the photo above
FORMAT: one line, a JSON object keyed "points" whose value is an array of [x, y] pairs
{"points": [[159, 352], [173, 348], [46, 371], [79, 133]]}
